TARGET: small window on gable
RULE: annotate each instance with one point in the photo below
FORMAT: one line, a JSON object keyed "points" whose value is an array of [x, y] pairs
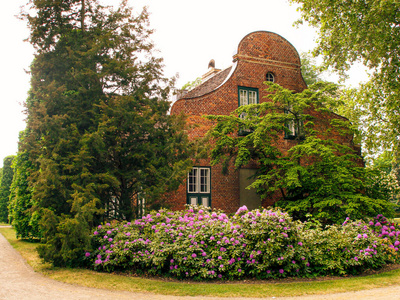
{"points": [[270, 77]]}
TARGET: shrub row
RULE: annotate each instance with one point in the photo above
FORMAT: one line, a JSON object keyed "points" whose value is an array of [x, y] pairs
{"points": [[201, 244]]}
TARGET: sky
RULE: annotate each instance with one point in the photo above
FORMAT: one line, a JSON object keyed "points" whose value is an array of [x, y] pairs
{"points": [[188, 34]]}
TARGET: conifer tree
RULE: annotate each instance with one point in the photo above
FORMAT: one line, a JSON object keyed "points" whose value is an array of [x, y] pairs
{"points": [[98, 132], [5, 185]]}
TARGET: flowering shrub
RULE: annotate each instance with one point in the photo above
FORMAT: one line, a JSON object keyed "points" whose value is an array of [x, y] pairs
{"points": [[389, 232], [201, 244], [349, 248]]}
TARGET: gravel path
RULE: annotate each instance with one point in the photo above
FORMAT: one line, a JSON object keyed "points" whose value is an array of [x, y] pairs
{"points": [[19, 281]]}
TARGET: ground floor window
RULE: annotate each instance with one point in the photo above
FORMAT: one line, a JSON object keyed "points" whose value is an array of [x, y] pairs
{"points": [[199, 186]]}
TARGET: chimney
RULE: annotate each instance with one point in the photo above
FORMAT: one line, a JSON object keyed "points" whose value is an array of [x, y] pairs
{"points": [[211, 71]]}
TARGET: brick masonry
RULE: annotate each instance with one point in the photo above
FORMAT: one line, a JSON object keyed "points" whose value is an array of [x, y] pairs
{"points": [[258, 53]]}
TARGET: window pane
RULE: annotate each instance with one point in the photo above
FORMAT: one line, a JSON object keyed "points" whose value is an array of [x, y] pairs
{"points": [[204, 181], [252, 97], [192, 181], [205, 201], [193, 200], [243, 98]]}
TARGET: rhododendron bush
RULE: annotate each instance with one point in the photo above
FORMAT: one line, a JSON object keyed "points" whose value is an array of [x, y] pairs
{"points": [[201, 244]]}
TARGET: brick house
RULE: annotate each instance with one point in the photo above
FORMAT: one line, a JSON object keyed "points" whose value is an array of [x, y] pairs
{"points": [[261, 56]]}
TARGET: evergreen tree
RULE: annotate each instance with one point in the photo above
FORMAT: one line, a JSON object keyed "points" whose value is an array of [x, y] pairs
{"points": [[22, 216], [5, 185], [98, 130]]}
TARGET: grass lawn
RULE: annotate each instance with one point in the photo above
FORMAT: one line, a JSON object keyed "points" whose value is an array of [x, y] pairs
{"points": [[227, 289]]}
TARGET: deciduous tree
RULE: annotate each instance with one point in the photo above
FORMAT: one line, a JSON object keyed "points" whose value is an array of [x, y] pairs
{"points": [[318, 175], [368, 32]]}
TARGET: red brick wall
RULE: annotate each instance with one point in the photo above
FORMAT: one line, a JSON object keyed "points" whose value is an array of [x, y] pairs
{"points": [[258, 53]]}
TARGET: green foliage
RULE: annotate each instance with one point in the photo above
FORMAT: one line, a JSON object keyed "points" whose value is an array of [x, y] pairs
{"points": [[367, 32], [97, 127], [21, 208], [317, 175], [201, 244], [143, 150], [64, 239], [309, 70], [5, 185], [191, 84], [323, 179]]}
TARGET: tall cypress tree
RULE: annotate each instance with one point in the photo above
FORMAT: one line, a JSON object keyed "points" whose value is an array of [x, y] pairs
{"points": [[98, 130], [5, 185]]}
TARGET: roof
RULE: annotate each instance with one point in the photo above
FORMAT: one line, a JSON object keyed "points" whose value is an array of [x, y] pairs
{"points": [[209, 85]]}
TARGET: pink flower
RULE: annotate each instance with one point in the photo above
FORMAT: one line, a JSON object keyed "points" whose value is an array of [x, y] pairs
{"points": [[194, 255], [281, 271]]}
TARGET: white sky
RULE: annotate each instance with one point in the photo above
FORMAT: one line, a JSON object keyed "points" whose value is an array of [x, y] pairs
{"points": [[188, 35]]}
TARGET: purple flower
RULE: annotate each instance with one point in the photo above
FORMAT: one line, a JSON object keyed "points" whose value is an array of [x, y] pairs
{"points": [[95, 233], [239, 270], [194, 255], [87, 254], [300, 243], [281, 271]]}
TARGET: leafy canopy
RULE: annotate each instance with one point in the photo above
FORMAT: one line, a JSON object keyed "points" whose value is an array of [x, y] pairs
{"points": [[369, 32], [319, 173]]}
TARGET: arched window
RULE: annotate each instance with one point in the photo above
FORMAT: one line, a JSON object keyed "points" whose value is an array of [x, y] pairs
{"points": [[270, 77]]}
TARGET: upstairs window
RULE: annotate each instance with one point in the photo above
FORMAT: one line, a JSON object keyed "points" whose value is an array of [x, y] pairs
{"points": [[270, 77], [247, 96]]}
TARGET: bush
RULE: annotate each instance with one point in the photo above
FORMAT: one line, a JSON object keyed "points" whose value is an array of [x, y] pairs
{"points": [[201, 244]]}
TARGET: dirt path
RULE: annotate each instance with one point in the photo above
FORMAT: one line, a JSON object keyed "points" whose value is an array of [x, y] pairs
{"points": [[19, 281]]}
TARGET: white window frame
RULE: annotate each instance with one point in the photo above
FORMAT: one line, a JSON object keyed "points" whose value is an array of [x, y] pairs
{"points": [[195, 184]]}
